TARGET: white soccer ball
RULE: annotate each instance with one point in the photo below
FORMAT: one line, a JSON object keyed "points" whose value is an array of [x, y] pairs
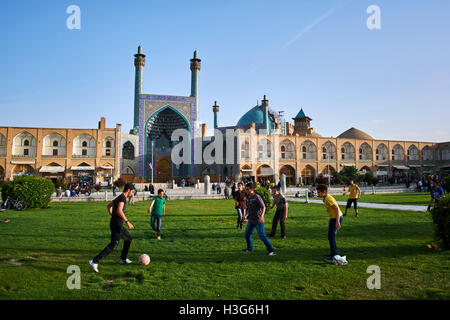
{"points": [[144, 259]]}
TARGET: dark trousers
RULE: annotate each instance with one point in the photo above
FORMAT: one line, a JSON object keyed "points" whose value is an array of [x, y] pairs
{"points": [[280, 215], [117, 231], [332, 231], [155, 223]]}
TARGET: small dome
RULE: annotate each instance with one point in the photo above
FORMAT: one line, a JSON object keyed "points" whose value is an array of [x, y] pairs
{"points": [[354, 133], [256, 116]]}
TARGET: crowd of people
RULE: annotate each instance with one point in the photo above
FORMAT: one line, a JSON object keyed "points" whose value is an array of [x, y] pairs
{"points": [[74, 189], [250, 209]]}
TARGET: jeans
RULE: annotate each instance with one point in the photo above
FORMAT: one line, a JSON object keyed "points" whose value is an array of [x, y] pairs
{"points": [[117, 231], [262, 235], [156, 220], [332, 231], [279, 215], [240, 219]]}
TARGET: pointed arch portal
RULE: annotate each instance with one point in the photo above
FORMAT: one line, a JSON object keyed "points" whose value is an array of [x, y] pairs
{"points": [[158, 130]]}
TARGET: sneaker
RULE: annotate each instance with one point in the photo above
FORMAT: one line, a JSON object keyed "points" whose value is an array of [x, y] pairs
{"points": [[158, 237], [246, 250], [94, 265], [329, 260], [272, 253], [283, 237], [328, 255], [126, 261]]}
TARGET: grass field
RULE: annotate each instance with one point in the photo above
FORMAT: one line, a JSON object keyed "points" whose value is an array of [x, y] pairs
{"points": [[200, 255], [409, 198]]}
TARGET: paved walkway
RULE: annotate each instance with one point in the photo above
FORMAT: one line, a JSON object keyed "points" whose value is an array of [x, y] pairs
{"points": [[370, 205]]}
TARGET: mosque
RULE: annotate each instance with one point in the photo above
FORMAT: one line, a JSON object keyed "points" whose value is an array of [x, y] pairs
{"points": [[264, 146]]}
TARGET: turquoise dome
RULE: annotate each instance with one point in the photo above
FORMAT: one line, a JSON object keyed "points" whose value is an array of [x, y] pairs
{"points": [[256, 115]]}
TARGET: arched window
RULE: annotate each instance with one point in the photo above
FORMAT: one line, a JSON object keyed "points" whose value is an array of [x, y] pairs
{"points": [[264, 149], [2, 144], [381, 153], [328, 151], [308, 150], [365, 152], [427, 154], [84, 145], [245, 149], [128, 151], [55, 143], [413, 153], [347, 151], [287, 150], [108, 147], [398, 154], [24, 144]]}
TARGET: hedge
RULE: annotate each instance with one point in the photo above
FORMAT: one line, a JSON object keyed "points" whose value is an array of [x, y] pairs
{"points": [[441, 219], [36, 192]]}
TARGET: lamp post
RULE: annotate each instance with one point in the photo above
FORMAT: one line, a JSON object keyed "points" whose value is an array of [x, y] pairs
{"points": [[153, 159]]}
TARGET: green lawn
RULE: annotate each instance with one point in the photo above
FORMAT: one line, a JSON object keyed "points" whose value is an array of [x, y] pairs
{"points": [[409, 198], [200, 255]]}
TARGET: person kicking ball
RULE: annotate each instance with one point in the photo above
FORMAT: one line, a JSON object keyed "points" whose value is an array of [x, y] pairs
{"points": [[355, 194], [116, 209]]}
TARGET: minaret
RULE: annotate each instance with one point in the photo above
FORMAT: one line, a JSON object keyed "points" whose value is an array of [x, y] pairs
{"points": [[139, 63], [195, 69], [265, 108], [216, 111]]}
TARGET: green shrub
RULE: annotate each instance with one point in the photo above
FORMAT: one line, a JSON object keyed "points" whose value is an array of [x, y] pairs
{"points": [[265, 195], [447, 179], [441, 218], [36, 192]]}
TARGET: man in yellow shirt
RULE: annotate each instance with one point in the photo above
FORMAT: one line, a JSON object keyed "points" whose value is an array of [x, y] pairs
{"points": [[355, 194], [335, 219]]}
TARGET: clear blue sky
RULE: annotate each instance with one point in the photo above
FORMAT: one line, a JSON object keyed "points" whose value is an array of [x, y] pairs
{"points": [[393, 83]]}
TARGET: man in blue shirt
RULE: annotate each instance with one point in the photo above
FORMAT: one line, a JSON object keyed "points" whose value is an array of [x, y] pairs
{"points": [[436, 192]]}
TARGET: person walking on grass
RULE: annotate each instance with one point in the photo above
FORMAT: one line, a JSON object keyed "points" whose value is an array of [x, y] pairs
{"points": [[355, 194], [255, 214], [241, 204], [116, 209], [334, 224], [157, 210], [436, 192], [133, 194], [281, 214]]}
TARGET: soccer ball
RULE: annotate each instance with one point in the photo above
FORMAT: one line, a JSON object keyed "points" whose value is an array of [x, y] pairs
{"points": [[144, 259]]}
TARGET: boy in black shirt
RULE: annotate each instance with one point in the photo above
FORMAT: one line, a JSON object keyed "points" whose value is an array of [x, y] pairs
{"points": [[116, 209]]}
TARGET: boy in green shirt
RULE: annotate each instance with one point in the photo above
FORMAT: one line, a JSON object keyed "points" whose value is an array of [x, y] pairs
{"points": [[157, 210]]}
